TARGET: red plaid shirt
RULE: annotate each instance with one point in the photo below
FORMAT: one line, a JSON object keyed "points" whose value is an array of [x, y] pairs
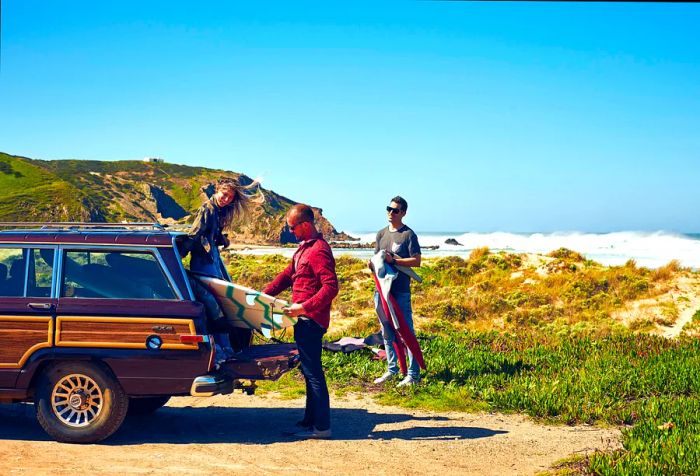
{"points": [[311, 274]]}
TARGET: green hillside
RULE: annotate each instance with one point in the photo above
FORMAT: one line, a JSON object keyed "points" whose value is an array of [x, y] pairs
{"points": [[129, 190], [29, 192]]}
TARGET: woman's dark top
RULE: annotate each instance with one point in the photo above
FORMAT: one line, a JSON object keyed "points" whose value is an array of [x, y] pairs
{"points": [[207, 236]]}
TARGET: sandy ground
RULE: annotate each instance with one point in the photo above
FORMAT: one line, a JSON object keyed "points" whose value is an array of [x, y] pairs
{"points": [[683, 294], [240, 433], [688, 289]]}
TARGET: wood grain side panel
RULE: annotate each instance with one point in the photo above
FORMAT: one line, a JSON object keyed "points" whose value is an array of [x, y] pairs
{"points": [[20, 336], [127, 333], [22, 324]]}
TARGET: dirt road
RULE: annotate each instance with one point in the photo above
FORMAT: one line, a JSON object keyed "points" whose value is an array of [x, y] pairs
{"points": [[234, 433]]}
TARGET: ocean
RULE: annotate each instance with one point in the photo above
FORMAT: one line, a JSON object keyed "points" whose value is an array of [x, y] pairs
{"points": [[649, 249]]}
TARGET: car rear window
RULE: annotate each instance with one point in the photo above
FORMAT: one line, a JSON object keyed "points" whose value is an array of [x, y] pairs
{"points": [[12, 271], [114, 275], [17, 263]]}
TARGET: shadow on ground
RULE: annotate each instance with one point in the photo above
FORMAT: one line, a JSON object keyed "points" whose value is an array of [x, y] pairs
{"points": [[172, 425]]}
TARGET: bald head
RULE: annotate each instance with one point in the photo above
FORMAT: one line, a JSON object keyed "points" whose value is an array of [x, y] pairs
{"points": [[300, 220], [300, 213]]}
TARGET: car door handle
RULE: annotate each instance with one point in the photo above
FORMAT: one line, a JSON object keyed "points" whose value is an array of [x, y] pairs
{"points": [[40, 306]]}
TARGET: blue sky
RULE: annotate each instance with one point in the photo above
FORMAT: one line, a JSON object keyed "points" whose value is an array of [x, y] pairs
{"points": [[484, 116]]}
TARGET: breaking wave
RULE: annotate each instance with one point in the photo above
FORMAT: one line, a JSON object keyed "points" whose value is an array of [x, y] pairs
{"points": [[650, 249]]}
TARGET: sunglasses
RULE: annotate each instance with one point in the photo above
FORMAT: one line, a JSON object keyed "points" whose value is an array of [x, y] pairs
{"points": [[393, 210], [293, 227]]}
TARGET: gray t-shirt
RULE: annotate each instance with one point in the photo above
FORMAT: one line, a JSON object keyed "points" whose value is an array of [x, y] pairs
{"points": [[403, 243]]}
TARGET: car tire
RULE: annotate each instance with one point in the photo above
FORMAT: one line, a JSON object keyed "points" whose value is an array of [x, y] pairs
{"points": [[80, 402], [146, 405]]}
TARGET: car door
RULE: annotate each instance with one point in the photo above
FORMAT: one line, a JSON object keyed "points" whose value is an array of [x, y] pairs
{"points": [[123, 305], [27, 309]]}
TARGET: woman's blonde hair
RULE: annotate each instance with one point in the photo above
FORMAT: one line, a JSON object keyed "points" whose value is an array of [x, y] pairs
{"points": [[242, 199]]}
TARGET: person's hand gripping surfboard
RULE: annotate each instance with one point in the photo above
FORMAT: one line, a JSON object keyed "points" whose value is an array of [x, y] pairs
{"points": [[293, 310]]}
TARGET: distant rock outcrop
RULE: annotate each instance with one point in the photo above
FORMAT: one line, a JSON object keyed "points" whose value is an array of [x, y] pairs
{"points": [[452, 241]]}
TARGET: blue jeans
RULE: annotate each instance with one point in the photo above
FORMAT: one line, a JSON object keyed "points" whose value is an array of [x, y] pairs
{"points": [[307, 335], [404, 302]]}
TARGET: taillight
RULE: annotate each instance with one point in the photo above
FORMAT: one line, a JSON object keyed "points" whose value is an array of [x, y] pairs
{"points": [[191, 339]]}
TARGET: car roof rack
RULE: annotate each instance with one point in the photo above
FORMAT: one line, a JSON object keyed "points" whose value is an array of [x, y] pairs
{"points": [[75, 225]]}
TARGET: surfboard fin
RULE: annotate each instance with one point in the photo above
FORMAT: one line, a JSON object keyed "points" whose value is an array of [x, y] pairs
{"points": [[266, 331], [250, 299]]}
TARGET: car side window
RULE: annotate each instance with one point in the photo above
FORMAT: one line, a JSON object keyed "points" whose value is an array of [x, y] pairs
{"points": [[114, 275], [40, 273], [12, 271]]}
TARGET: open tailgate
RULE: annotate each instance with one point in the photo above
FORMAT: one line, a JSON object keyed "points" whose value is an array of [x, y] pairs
{"points": [[262, 362]]}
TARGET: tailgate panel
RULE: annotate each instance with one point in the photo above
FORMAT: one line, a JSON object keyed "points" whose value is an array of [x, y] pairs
{"points": [[262, 362]]}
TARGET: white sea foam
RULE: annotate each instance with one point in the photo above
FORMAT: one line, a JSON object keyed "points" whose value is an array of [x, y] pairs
{"points": [[651, 249]]}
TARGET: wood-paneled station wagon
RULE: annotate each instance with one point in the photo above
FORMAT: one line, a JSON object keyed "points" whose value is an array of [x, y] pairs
{"points": [[97, 320]]}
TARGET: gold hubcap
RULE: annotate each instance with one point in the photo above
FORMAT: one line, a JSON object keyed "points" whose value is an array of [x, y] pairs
{"points": [[77, 400]]}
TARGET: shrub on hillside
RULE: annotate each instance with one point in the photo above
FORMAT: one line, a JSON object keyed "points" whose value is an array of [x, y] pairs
{"points": [[664, 273], [453, 312], [504, 261], [482, 291], [567, 255], [479, 253]]}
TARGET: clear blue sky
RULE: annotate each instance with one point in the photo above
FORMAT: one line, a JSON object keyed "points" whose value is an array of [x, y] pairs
{"points": [[484, 116]]}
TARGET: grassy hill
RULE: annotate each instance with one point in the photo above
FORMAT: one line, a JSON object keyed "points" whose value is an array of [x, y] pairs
{"points": [[30, 192], [89, 190]]}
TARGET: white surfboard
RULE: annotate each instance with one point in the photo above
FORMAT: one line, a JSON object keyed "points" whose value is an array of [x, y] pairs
{"points": [[247, 308]]}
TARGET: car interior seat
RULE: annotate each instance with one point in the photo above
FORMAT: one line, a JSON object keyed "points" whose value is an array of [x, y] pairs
{"points": [[15, 283]]}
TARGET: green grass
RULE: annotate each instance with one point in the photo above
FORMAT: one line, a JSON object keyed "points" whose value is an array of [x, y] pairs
{"points": [[571, 379], [255, 271], [665, 441], [187, 196], [31, 193], [17, 174], [647, 384]]}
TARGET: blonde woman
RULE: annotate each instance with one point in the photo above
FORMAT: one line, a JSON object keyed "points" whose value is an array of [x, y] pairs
{"points": [[230, 201]]}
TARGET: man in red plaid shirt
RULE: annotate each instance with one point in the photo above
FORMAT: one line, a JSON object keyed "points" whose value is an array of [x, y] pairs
{"points": [[311, 275]]}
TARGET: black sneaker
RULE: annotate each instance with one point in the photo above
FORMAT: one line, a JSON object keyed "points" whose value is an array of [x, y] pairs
{"points": [[301, 425], [314, 434]]}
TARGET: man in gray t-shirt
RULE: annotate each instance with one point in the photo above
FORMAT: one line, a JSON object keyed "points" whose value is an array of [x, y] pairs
{"points": [[400, 245]]}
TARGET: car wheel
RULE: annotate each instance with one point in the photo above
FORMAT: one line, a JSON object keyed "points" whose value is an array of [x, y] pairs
{"points": [[146, 405], [80, 402]]}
